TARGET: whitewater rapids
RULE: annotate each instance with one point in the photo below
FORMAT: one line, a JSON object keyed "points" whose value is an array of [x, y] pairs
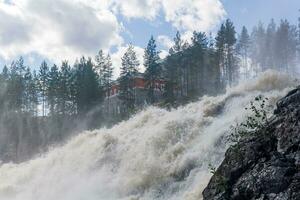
{"points": [[156, 155]]}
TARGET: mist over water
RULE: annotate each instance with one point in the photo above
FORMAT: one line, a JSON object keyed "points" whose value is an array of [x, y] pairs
{"points": [[157, 154]]}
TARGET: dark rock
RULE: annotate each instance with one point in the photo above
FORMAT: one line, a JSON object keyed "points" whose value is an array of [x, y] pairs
{"points": [[265, 165]]}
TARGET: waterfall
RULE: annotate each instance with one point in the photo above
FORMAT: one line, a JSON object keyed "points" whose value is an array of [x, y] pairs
{"points": [[157, 154]]}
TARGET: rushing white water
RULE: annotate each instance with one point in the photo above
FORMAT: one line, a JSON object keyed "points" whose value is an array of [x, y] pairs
{"points": [[157, 154]]}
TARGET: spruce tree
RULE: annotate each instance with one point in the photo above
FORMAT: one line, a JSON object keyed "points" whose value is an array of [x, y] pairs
{"points": [[200, 39], [107, 75], [174, 71], [221, 52], [298, 41], [286, 46], [104, 69], [231, 67], [4, 77], [64, 95], [243, 46], [100, 64], [33, 93], [258, 48], [129, 70], [225, 42], [270, 45], [153, 70], [27, 82], [16, 85], [172, 75], [53, 89], [43, 85], [178, 44], [198, 69], [87, 94]]}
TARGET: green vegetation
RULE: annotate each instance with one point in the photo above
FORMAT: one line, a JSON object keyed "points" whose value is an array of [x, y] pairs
{"points": [[257, 119]]}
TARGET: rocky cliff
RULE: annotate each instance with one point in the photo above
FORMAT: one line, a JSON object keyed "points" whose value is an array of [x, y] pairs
{"points": [[264, 165]]}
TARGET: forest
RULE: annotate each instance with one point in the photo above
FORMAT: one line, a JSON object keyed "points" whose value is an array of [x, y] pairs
{"points": [[43, 107]]}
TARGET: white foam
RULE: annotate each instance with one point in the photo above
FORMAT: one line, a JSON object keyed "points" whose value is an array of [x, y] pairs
{"points": [[156, 154]]}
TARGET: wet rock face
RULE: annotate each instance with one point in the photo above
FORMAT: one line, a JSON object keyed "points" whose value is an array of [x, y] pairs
{"points": [[264, 166]]}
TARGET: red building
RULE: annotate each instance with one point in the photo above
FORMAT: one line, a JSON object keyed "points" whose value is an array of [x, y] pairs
{"points": [[139, 83], [114, 105]]}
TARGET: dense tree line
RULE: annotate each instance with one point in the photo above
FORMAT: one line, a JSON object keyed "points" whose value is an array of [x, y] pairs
{"points": [[208, 66], [42, 107], [191, 70], [269, 47]]}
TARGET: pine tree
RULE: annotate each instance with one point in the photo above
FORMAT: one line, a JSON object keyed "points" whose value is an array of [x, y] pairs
{"points": [[16, 85], [73, 86], [172, 75], [152, 73], [221, 52], [270, 45], [4, 74], [87, 94], [176, 73], [286, 46], [178, 44], [198, 70], [21, 66], [100, 64], [4, 78], [200, 39], [104, 69], [107, 74], [64, 94], [43, 85], [31, 98], [231, 68], [298, 41], [258, 48], [53, 89], [33, 93], [225, 42], [27, 82], [129, 69], [243, 46], [191, 72]]}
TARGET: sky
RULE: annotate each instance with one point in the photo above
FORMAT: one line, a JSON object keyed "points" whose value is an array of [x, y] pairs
{"points": [[56, 30]]}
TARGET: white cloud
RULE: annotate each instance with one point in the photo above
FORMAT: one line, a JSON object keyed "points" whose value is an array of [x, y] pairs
{"points": [[147, 9], [189, 15], [56, 29], [165, 41], [163, 54], [66, 29], [185, 15]]}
